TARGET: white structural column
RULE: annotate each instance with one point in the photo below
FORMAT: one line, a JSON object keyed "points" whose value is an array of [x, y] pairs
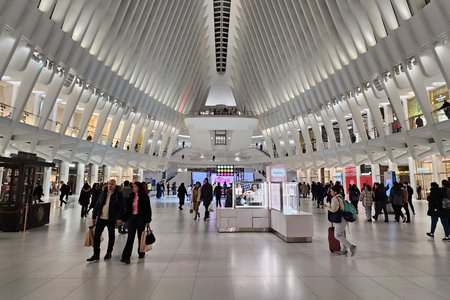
{"points": [[64, 172], [358, 176], [119, 175], [308, 176], [435, 165], [107, 173], [94, 174], [47, 181], [141, 174], [393, 167], [412, 172], [376, 173], [80, 177], [333, 174]]}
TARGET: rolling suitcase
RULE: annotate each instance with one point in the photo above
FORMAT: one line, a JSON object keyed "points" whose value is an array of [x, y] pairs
{"points": [[334, 244]]}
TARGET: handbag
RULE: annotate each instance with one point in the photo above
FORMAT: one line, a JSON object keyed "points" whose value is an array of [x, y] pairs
{"points": [[143, 246], [89, 237], [335, 217], [150, 238]]}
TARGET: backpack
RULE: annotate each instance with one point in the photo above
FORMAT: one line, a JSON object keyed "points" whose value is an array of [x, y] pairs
{"points": [[445, 203], [349, 214], [397, 199]]}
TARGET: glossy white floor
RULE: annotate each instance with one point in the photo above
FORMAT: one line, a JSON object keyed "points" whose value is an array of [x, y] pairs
{"points": [[192, 261]]}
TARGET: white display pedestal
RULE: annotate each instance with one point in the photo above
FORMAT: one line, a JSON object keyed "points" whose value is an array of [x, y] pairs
{"points": [[243, 219], [296, 227]]}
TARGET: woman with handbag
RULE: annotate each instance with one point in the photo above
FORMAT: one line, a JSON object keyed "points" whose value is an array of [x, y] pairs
{"points": [[139, 215], [335, 216], [196, 199]]}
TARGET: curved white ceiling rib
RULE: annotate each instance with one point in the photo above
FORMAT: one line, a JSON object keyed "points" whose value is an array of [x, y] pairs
{"points": [[157, 46], [286, 48]]}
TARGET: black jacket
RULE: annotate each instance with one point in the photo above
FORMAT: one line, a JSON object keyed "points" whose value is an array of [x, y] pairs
{"points": [[207, 194], [116, 207], [65, 189], [218, 191], [181, 191], [435, 203], [85, 196], [144, 207], [380, 195]]}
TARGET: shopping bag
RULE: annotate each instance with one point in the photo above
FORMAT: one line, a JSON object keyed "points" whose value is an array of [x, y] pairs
{"points": [[211, 207], [89, 237], [143, 247]]}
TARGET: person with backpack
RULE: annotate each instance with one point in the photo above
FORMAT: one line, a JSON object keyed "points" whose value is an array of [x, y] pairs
{"points": [[367, 201], [337, 203], [396, 198], [437, 211], [354, 194]]}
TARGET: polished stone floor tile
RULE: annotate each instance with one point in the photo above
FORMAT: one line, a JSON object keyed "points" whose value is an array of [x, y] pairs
{"points": [[191, 260]]}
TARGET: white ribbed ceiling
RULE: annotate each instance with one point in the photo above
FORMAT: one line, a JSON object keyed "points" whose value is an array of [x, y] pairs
{"points": [[276, 50]]}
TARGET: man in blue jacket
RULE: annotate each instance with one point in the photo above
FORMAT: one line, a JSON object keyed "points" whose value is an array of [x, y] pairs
{"points": [[108, 210]]}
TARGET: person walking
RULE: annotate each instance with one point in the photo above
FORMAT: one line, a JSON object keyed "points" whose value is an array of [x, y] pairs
{"points": [[181, 193], [405, 203], [126, 192], [189, 192], [410, 194], [138, 215], [304, 189], [174, 188], [380, 199], [218, 195], [95, 193], [354, 195], [320, 194], [419, 192], [64, 190], [436, 211], [337, 203], [108, 211], [206, 196], [367, 201], [85, 199], [196, 199], [396, 198]]}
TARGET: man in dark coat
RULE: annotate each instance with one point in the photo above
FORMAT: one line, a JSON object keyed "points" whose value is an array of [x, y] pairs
{"points": [[206, 196], [108, 210], [65, 190], [38, 192], [218, 194]]}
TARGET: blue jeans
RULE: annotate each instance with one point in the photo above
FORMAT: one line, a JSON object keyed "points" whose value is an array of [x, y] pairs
{"points": [[368, 212], [444, 222]]}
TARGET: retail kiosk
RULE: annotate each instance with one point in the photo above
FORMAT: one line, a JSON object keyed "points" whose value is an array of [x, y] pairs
{"points": [[287, 221], [249, 211], [17, 210], [262, 206]]}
